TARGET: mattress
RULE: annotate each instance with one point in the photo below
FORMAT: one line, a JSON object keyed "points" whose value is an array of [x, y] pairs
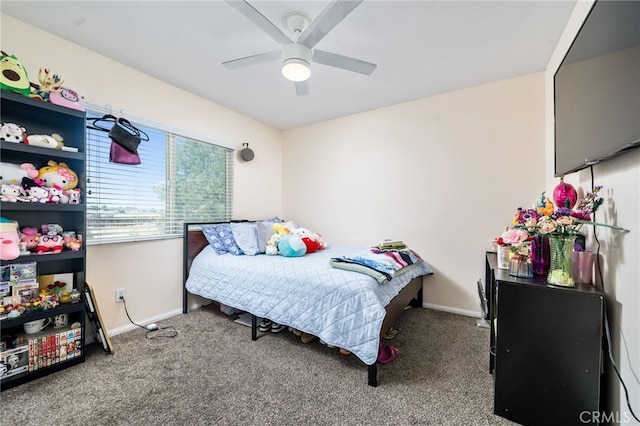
{"points": [[343, 308]]}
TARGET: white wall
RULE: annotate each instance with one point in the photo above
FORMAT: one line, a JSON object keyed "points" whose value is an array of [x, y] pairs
{"points": [[151, 272], [445, 174], [619, 252]]}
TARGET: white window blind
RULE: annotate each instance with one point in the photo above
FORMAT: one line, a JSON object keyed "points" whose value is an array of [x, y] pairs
{"points": [[180, 179]]}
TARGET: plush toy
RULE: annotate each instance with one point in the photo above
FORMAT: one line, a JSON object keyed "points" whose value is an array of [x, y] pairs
{"points": [[58, 174], [73, 195], [52, 242], [10, 193], [11, 132], [9, 239], [11, 173], [49, 83], [30, 237], [291, 246], [55, 194], [55, 141], [272, 245], [13, 75], [68, 98], [71, 242], [39, 194], [310, 239]]}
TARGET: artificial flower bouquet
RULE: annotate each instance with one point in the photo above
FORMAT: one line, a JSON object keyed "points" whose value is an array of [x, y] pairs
{"points": [[559, 223]]}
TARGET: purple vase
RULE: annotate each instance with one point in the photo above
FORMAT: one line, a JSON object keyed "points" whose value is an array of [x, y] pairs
{"points": [[540, 255]]}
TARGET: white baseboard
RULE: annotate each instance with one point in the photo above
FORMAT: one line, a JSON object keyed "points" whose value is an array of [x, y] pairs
{"points": [[144, 322], [474, 314]]}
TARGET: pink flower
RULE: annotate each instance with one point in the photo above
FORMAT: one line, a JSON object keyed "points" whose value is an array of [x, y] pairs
{"points": [[515, 237]]}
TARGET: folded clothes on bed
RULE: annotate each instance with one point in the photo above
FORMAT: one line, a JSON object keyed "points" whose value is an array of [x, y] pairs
{"points": [[382, 265]]}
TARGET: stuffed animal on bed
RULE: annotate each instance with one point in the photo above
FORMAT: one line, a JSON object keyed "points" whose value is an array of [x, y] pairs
{"points": [[311, 240], [280, 230], [291, 246]]}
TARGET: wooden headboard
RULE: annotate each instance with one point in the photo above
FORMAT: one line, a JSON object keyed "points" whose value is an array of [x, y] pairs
{"points": [[193, 243]]}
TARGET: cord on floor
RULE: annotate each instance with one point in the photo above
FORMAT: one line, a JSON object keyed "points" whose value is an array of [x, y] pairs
{"points": [[153, 330]]}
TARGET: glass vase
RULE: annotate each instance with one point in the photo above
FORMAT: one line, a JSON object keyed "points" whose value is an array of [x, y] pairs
{"points": [[560, 267], [540, 255], [520, 266]]}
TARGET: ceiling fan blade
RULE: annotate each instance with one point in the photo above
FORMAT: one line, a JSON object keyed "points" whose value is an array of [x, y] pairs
{"points": [[302, 88], [344, 62], [258, 18], [251, 60], [326, 21]]}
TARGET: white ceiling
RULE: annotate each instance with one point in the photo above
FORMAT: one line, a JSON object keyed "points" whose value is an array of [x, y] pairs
{"points": [[422, 48]]}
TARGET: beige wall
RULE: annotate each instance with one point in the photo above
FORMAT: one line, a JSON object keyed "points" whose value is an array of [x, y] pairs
{"points": [[151, 272], [619, 252], [444, 174]]}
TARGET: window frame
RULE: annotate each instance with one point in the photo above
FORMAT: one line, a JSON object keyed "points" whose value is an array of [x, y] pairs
{"points": [[173, 135]]}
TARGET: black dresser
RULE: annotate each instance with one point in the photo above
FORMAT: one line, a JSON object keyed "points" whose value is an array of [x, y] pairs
{"points": [[546, 348]]}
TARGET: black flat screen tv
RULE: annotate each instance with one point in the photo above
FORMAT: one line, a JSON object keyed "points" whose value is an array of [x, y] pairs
{"points": [[597, 88]]}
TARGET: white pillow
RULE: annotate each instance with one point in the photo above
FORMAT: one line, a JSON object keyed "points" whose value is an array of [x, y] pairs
{"points": [[246, 236]]}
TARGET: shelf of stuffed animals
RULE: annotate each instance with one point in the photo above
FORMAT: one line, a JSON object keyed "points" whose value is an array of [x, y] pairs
{"points": [[43, 162], [69, 123], [40, 153]]}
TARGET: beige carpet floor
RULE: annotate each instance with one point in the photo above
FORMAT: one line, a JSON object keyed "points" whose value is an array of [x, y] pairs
{"points": [[213, 374]]}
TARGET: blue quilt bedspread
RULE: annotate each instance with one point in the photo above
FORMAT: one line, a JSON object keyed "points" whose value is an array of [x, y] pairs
{"points": [[343, 308]]}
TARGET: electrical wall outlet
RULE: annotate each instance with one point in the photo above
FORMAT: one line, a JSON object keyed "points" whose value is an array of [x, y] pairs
{"points": [[120, 295]]}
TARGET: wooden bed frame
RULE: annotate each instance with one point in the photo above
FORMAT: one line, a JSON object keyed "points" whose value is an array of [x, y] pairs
{"points": [[195, 241]]}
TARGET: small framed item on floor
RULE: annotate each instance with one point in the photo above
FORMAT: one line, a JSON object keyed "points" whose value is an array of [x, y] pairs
{"points": [[93, 313]]}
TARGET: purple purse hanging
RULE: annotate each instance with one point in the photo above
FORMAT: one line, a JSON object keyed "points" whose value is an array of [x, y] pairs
{"points": [[122, 155]]}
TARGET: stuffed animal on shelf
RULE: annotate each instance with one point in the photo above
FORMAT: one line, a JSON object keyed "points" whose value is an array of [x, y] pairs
{"points": [[50, 243], [55, 141], [11, 132], [39, 194], [11, 193], [55, 194], [71, 242], [49, 83], [73, 195], [58, 174], [13, 75], [30, 237], [68, 98], [11, 173], [9, 239]]}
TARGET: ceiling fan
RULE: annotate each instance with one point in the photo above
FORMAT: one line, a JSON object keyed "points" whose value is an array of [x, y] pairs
{"points": [[297, 55]]}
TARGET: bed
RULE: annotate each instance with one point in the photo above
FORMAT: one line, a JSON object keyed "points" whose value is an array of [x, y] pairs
{"points": [[346, 309]]}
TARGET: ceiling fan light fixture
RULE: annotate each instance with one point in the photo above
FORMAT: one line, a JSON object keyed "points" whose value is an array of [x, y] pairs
{"points": [[296, 62]]}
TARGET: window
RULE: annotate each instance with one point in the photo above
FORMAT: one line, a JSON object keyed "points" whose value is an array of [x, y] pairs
{"points": [[181, 179]]}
